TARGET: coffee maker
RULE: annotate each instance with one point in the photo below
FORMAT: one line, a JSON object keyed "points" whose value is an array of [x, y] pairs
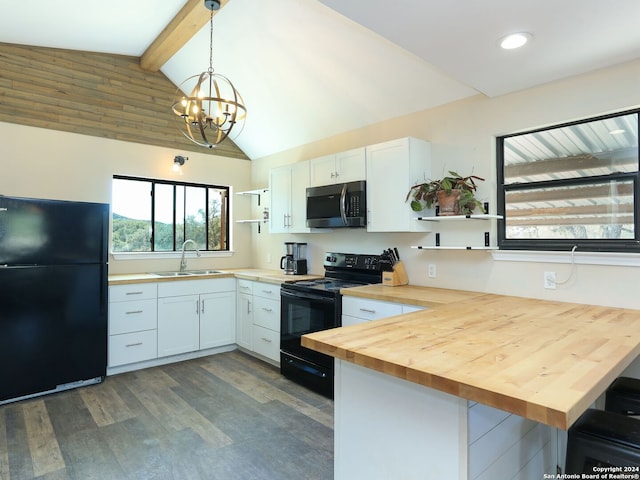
{"points": [[299, 259], [294, 261], [286, 262]]}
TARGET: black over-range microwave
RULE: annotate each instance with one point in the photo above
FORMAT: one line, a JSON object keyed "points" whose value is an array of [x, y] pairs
{"points": [[335, 206]]}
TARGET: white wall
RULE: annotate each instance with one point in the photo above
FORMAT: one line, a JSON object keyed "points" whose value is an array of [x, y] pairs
{"points": [[43, 163], [463, 139]]}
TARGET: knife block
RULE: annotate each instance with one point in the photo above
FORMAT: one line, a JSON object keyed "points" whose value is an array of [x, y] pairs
{"points": [[396, 277]]}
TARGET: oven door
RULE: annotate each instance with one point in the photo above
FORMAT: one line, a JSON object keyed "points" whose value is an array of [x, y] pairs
{"points": [[306, 312]]}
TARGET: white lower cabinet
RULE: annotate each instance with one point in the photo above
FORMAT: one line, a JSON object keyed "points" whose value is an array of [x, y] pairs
{"points": [[217, 319], [258, 318], [178, 324], [244, 319], [358, 310], [132, 323], [195, 314], [132, 347]]}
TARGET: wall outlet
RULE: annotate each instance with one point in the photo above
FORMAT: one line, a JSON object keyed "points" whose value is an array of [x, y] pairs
{"points": [[550, 280], [431, 270]]}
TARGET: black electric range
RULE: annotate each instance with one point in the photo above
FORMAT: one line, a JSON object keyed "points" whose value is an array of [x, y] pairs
{"points": [[314, 305]]}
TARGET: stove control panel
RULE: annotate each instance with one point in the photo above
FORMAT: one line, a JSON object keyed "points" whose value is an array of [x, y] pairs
{"points": [[354, 261]]}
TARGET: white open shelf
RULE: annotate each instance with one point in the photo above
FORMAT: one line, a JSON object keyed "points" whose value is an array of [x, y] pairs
{"points": [[425, 247], [444, 218]]}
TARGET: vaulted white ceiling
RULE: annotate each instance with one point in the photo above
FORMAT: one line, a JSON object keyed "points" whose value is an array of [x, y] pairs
{"points": [[310, 69]]}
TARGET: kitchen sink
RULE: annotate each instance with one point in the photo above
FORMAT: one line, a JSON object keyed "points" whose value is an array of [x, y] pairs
{"points": [[186, 273], [171, 274], [202, 272]]}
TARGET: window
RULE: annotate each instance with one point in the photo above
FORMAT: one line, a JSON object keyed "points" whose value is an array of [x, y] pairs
{"points": [[158, 215], [571, 185]]}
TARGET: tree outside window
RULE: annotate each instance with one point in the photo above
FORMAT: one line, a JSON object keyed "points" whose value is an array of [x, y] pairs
{"points": [[158, 215]]}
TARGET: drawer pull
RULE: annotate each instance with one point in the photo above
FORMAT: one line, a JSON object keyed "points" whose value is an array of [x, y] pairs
{"points": [[133, 293], [134, 344], [268, 292], [133, 312], [267, 309], [245, 287], [268, 340], [367, 310]]}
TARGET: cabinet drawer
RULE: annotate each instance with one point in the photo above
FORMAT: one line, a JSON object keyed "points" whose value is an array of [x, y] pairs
{"points": [[266, 290], [369, 309], [132, 347], [266, 313], [245, 286], [266, 342], [134, 291], [348, 320], [127, 317]]}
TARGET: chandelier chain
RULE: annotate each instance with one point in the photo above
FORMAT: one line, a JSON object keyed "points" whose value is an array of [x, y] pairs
{"points": [[211, 43]]}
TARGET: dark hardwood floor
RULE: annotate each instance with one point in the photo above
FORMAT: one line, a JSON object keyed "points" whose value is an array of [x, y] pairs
{"points": [[226, 416]]}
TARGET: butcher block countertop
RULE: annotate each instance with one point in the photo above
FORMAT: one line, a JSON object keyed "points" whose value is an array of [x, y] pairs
{"points": [[543, 360], [258, 275], [410, 294]]}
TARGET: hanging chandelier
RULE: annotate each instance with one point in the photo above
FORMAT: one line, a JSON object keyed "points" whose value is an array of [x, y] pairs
{"points": [[213, 107]]}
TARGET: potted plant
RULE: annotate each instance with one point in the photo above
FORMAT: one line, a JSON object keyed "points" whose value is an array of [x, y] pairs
{"points": [[453, 194]]}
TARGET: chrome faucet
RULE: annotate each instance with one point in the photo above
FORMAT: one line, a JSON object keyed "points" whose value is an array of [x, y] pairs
{"points": [[183, 261]]}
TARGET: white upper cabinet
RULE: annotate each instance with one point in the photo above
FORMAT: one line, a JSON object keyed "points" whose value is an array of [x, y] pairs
{"points": [[392, 169], [288, 187], [343, 167]]}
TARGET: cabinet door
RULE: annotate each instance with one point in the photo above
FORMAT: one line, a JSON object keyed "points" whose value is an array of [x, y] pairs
{"points": [[280, 190], [351, 165], [392, 169], [217, 319], [322, 171], [178, 325], [244, 320], [299, 184]]}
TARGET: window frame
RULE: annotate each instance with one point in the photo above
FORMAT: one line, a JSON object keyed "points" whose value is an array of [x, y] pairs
{"points": [[178, 247], [543, 244]]}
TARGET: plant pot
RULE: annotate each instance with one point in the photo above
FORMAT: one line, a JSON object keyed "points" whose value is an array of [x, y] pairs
{"points": [[448, 204]]}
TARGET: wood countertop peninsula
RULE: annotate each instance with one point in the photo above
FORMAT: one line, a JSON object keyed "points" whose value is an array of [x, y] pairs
{"points": [[543, 360]]}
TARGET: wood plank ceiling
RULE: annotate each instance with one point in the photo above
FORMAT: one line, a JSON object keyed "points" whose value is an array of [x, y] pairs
{"points": [[103, 95]]}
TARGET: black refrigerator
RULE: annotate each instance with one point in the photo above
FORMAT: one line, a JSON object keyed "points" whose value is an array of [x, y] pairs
{"points": [[53, 295]]}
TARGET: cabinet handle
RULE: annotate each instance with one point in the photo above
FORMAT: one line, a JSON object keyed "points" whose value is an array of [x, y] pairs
{"points": [[268, 292], [198, 307], [367, 310], [133, 312], [337, 174], [267, 309], [333, 174], [133, 293], [268, 340], [133, 344], [248, 307], [244, 287], [202, 310]]}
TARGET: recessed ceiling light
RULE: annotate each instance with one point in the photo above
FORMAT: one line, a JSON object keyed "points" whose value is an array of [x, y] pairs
{"points": [[515, 40], [619, 131]]}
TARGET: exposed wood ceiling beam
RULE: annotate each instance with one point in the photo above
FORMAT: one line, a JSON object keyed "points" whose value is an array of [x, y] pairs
{"points": [[189, 20]]}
